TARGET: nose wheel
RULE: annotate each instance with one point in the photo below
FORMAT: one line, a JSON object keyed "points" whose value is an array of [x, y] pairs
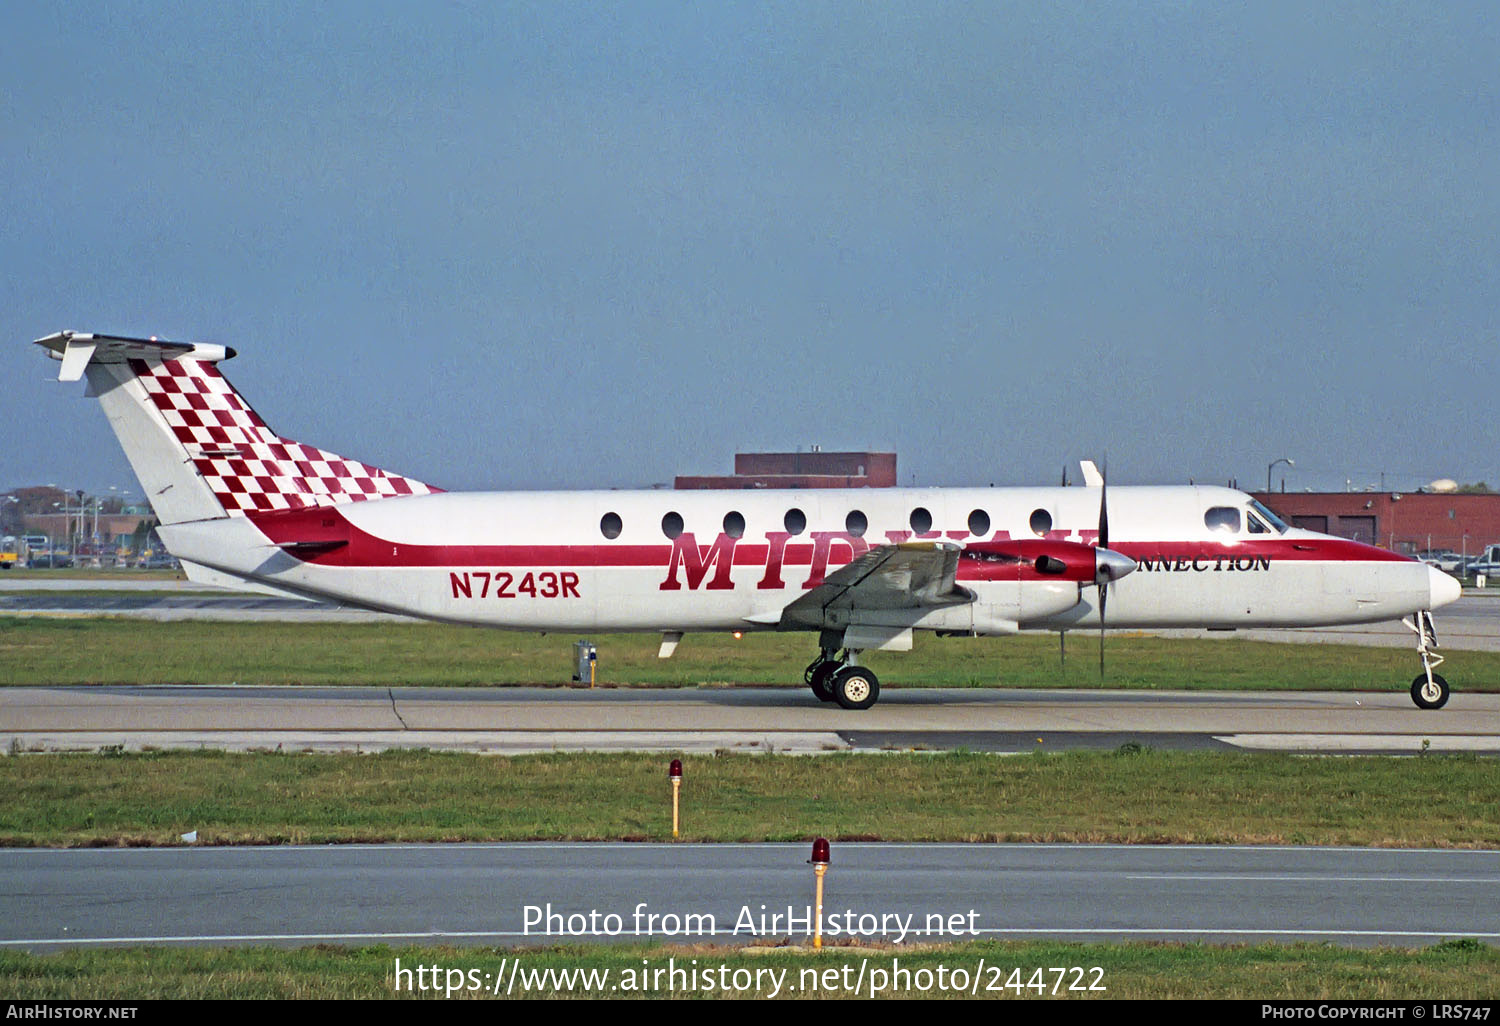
{"points": [[1429, 693], [837, 678], [1429, 690]]}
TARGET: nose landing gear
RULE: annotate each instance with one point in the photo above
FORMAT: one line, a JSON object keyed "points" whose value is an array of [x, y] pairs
{"points": [[1429, 690], [837, 677]]}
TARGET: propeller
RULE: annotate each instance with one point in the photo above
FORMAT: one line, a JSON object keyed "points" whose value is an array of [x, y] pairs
{"points": [[1062, 636], [1109, 565]]}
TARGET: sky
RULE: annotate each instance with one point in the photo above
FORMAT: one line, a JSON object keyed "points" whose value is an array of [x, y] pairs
{"points": [[560, 245]]}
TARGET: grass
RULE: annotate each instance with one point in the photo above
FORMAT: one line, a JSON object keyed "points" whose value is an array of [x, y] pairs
{"points": [[104, 650], [1128, 797], [1455, 970]]}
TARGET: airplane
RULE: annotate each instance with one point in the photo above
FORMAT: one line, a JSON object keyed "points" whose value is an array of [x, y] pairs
{"points": [[242, 507]]}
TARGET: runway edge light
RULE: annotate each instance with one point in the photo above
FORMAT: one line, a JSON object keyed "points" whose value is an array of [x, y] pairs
{"points": [[820, 859], [675, 772]]}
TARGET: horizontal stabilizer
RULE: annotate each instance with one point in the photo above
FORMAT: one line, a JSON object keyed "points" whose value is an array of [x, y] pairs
{"points": [[77, 349]]}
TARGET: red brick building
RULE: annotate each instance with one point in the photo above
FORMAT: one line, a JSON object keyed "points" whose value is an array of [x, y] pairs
{"points": [[1401, 521], [815, 469]]}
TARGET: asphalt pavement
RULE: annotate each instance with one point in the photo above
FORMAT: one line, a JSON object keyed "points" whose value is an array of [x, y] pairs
{"points": [[534, 894], [509, 720]]}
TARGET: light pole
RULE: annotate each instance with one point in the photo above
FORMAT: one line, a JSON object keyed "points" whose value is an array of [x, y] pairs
{"points": [[1290, 463], [52, 535]]}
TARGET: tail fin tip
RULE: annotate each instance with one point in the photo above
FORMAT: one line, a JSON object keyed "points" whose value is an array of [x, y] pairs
{"points": [[77, 349]]}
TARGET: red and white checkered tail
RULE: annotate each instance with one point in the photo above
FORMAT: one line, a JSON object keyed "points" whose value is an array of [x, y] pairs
{"points": [[199, 449]]}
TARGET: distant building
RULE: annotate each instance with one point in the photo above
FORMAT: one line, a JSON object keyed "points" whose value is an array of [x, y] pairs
{"points": [[1400, 521], [815, 469], [67, 530]]}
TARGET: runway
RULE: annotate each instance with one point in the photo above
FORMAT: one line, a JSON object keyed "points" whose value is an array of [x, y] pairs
{"points": [[165, 601], [707, 719], [479, 894]]}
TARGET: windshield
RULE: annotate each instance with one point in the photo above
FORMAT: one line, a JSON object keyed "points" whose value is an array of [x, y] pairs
{"points": [[1269, 517]]}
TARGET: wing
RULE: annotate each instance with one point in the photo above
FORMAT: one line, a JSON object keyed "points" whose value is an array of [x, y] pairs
{"points": [[913, 575]]}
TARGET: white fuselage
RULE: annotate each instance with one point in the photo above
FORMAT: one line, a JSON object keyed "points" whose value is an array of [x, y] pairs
{"points": [[542, 560]]}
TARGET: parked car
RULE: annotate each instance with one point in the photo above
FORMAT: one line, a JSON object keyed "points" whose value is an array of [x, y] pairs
{"points": [[56, 561], [1446, 561], [1487, 562]]}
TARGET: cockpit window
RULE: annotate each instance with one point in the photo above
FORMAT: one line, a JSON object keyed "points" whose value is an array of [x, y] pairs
{"points": [[1255, 525], [1276, 522], [1223, 518]]}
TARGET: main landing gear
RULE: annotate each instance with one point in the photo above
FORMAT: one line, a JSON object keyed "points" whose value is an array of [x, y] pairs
{"points": [[838, 677], [1429, 690]]}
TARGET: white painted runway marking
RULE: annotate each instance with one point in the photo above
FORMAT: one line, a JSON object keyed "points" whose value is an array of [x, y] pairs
{"points": [[543, 937], [1413, 743], [1314, 878]]}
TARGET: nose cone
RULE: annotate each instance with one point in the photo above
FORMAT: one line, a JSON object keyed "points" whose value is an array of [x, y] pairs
{"points": [[1444, 589], [1111, 564]]}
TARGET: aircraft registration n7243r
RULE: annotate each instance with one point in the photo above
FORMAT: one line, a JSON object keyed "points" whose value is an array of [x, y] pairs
{"points": [[242, 507]]}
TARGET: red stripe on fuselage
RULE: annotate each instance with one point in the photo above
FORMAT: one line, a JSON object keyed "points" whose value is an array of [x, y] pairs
{"points": [[323, 525], [1320, 550]]}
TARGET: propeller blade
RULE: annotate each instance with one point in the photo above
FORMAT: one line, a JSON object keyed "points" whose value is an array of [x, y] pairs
{"points": [[1103, 598], [1104, 506]]}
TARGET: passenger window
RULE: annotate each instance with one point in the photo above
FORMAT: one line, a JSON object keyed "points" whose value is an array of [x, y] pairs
{"points": [[795, 521], [1041, 522], [979, 523], [1223, 518], [610, 526], [856, 524], [921, 520], [671, 525], [734, 524]]}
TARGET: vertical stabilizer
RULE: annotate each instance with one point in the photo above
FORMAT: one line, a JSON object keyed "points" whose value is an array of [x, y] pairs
{"points": [[199, 449]]}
